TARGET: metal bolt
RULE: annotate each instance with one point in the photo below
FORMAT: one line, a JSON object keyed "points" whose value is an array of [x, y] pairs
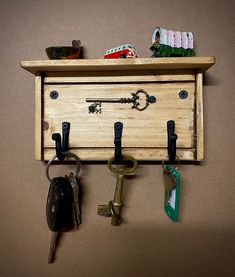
{"points": [[183, 94], [54, 94]]}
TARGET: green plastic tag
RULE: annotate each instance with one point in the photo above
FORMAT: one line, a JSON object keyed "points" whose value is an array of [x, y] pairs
{"points": [[171, 205]]}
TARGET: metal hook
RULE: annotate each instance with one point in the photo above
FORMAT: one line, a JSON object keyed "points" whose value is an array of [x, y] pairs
{"points": [[172, 137], [118, 126], [62, 147]]}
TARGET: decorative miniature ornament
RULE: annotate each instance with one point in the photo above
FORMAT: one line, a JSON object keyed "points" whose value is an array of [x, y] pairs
{"points": [[168, 43], [123, 51], [65, 52]]}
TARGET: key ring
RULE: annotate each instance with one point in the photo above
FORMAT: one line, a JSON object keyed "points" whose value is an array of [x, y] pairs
{"points": [[176, 167], [67, 154], [126, 170]]}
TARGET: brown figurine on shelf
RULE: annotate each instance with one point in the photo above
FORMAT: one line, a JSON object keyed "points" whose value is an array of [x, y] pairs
{"points": [[65, 52]]}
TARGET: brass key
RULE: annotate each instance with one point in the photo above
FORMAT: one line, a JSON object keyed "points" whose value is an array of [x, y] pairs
{"points": [[113, 209]]}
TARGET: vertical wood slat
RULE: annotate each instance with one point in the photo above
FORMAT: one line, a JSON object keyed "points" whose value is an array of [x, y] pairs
{"points": [[199, 118], [142, 129], [38, 117]]}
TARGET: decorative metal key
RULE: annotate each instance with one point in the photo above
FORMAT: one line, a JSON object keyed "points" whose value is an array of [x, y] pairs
{"points": [[135, 100], [113, 209]]}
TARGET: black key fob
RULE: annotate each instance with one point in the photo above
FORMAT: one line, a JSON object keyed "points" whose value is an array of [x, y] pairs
{"points": [[59, 209]]}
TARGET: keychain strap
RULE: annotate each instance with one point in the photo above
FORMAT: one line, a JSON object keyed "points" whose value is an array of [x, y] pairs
{"points": [[177, 165], [171, 204]]}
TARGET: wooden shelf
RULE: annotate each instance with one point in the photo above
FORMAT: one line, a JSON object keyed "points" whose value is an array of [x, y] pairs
{"points": [[200, 64], [145, 133]]}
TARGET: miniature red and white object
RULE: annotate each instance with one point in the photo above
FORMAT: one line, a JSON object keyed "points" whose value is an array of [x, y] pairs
{"points": [[123, 51]]}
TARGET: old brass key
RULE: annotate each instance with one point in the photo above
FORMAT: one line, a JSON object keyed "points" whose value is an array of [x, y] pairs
{"points": [[113, 209], [136, 98]]}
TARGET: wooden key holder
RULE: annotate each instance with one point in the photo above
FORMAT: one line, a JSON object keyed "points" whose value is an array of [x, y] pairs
{"points": [[175, 85]]}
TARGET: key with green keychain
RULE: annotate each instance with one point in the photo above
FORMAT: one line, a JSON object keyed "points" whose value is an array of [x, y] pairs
{"points": [[171, 177]]}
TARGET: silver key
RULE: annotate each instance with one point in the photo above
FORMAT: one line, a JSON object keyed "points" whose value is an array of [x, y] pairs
{"points": [[54, 239], [76, 205]]}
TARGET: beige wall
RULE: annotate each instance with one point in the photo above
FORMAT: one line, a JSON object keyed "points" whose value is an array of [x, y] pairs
{"points": [[202, 243]]}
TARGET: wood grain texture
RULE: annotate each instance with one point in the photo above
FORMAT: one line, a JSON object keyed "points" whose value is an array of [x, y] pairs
{"points": [[141, 128], [196, 63], [120, 76], [142, 154], [38, 117], [199, 118]]}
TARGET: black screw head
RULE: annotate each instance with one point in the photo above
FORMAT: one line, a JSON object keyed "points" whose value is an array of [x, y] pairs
{"points": [[54, 94], [152, 99], [183, 94]]}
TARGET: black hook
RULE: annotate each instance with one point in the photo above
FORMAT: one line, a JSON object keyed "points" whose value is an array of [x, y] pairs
{"points": [[118, 126], [172, 137], [62, 148]]}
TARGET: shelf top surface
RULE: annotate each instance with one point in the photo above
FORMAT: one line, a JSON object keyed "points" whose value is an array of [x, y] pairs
{"points": [[201, 64]]}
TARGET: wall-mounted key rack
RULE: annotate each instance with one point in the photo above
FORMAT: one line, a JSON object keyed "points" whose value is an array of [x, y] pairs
{"points": [[144, 94]]}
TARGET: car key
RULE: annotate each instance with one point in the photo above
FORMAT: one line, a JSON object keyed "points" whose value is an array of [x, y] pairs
{"points": [[59, 204], [59, 208]]}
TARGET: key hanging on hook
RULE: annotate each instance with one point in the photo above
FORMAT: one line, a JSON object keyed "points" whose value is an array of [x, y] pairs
{"points": [[62, 147], [171, 175]]}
